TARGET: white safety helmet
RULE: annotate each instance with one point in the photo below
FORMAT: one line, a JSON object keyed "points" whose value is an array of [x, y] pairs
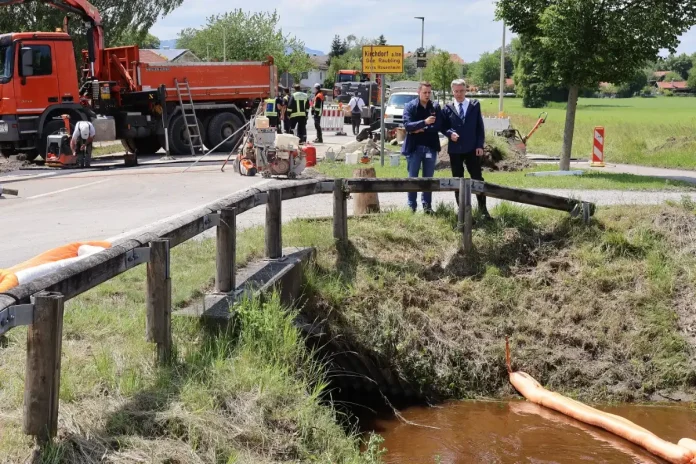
{"points": [[317, 86], [83, 128]]}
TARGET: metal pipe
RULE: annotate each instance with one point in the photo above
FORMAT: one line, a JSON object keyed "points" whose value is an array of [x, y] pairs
{"points": [[502, 75]]}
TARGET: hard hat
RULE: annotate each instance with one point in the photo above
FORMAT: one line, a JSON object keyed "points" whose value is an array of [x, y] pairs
{"points": [[317, 86], [83, 127]]}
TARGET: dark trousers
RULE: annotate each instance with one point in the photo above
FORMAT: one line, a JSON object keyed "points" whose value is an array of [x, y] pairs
{"points": [[473, 165], [287, 124], [355, 121], [317, 126], [274, 121], [299, 125]]}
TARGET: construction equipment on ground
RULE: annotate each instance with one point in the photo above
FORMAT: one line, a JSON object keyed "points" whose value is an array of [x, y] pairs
{"points": [[269, 153], [125, 97], [514, 137], [59, 153]]}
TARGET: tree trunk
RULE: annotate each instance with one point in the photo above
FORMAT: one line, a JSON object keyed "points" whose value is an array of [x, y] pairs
{"points": [[569, 127], [365, 203]]}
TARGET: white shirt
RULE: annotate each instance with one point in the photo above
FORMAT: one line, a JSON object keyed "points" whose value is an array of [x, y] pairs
{"points": [[356, 101], [465, 106], [76, 132]]}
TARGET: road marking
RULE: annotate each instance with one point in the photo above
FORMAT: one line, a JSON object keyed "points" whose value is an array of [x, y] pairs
{"points": [[67, 189]]}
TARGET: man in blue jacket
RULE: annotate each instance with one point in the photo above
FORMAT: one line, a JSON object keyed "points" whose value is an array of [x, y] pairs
{"points": [[463, 125], [422, 120]]}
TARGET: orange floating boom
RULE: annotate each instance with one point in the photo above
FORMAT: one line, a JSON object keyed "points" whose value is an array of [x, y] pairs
{"points": [[534, 392]]}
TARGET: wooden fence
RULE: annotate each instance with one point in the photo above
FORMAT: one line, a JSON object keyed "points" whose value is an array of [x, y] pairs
{"points": [[40, 304]]}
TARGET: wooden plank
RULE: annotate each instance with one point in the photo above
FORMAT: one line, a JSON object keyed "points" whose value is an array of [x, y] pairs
{"points": [[398, 185], [42, 378], [465, 217], [340, 211], [159, 300], [225, 257], [305, 189], [525, 196], [274, 238]]}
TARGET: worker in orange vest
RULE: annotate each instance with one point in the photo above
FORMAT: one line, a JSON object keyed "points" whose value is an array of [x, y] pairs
{"points": [[317, 110]]}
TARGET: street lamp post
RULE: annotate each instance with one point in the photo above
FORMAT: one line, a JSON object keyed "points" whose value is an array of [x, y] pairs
{"points": [[422, 47]]}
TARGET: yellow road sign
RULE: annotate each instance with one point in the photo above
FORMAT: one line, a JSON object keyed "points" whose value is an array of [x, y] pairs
{"points": [[383, 59]]}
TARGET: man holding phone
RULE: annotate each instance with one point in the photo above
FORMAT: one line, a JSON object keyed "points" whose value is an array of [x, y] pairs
{"points": [[422, 121]]}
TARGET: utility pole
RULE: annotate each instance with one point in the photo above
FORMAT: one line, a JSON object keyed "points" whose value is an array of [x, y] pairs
{"points": [[502, 75]]}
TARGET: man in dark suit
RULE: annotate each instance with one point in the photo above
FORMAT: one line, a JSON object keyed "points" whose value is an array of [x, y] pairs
{"points": [[463, 126], [422, 120]]}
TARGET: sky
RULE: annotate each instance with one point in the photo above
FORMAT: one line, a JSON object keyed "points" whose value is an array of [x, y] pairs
{"points": [[465, 27]]}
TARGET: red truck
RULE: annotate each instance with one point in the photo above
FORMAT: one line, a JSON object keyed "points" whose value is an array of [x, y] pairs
{"points": [[124, 98]]}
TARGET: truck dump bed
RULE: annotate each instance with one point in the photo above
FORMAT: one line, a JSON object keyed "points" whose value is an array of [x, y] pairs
{"points": [[217, 82]]}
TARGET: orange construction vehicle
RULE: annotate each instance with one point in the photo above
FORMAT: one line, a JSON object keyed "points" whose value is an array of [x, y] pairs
{"points": [[147, 106]]}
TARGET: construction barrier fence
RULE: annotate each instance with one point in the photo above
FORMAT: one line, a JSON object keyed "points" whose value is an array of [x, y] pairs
{"points": [[332, 119]]}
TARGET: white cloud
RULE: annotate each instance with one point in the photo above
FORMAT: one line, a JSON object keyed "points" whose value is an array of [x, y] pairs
{"points": [[465, 27]]}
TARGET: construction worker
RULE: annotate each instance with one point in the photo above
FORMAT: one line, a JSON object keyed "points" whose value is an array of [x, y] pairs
{"points": [[317, 111], [286, 111], [280, 107], [81, 142], [271, 112], [298, 113]]}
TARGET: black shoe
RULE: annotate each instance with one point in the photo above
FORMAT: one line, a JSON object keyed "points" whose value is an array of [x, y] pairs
{"points": [[317, 141]]}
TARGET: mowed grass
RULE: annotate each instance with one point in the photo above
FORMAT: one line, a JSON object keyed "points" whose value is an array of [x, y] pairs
{"points": [[590, 180], [248, 394], [643, 131]]}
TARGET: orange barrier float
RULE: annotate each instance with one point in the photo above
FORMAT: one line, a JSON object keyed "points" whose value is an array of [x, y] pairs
{"points": [[47, 262], [682, 453]]}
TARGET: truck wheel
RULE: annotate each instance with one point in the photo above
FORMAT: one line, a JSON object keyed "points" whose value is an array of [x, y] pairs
{"points": [[7, 152], [146, 146], [205, 132], [179, 143], [51, 128], [222, 126]]}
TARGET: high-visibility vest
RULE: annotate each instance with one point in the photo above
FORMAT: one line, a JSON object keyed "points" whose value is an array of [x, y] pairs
{"points": [[271, 110], [318, 104], [300, 109]]}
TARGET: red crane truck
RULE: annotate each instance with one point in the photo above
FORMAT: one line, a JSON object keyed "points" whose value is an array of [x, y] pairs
{"points": [[124, 98]]}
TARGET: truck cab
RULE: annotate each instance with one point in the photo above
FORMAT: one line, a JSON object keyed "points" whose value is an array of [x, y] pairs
{"points": [[37, 73]]}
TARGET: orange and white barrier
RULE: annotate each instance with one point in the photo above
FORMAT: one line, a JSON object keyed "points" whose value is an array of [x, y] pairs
{"points": [[598, 148], [48, 262], [331, 119], [681, 453]]}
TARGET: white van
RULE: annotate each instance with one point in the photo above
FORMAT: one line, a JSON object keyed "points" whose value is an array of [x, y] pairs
{"points": [[394, 110]]}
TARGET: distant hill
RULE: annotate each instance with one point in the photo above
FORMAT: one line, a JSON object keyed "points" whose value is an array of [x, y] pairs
{"points": [[171, 43]]}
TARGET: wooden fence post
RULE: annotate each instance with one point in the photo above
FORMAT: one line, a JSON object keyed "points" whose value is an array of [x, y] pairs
{"points": [[465, 218], [340, 211], [226, 256], [274, 237], [159, 300], [42, 379]]}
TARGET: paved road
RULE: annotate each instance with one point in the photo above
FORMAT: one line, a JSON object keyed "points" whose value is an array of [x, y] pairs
{"points": [[55, 208]]}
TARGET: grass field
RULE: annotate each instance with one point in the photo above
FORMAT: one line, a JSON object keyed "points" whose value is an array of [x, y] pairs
{"points": [[644, 131], [591, 180]]}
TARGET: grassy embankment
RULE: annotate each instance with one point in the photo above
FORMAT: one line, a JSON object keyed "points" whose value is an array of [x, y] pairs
{"points": [[593, 311], [250, 395], [643, 131]]}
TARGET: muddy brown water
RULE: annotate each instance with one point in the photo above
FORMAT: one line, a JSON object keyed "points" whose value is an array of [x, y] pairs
{"points": [[521, 432]]}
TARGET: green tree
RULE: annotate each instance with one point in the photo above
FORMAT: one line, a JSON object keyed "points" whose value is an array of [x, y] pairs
{"points": [[381, 40], [633, 84], [680, 64], [338, 47], [238, 35], [673, 76], [142, 39], [691, 81], [441, 71], [486, 70], [579, 43]]}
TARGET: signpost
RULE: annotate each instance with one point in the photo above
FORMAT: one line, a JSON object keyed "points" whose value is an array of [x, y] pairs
{"points": [[382, 59]]}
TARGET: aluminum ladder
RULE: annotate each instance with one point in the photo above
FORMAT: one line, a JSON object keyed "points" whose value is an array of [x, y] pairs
{"points": [[183, 91]]}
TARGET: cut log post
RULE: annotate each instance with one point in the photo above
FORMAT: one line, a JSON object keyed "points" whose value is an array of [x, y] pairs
{"points": [[42, 379], [159, 300], [340, 211], [274, 238], [365, 203], [226, 251], [8, 191], [465, 217]]}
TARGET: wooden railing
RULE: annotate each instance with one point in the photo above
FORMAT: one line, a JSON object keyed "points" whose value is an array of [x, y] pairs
{"points": [[40, 304]]}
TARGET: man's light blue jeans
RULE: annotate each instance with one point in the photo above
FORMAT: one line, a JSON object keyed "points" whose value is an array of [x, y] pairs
{"points": [[426, 158]]}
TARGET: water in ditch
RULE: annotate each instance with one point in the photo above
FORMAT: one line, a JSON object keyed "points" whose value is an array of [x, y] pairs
{"points": [[520, 432]]}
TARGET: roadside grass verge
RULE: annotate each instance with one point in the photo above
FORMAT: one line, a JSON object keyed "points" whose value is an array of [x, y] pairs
{"points": [[590, 180], [107, 149], [642, 131], [251, 393], [602, 313]]}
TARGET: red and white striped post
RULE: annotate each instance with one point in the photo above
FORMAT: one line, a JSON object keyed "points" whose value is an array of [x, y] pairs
{"points": [[598, 148]]}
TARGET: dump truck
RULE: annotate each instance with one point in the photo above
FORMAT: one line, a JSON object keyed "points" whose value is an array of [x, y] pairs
{"points": [[188, 106]]}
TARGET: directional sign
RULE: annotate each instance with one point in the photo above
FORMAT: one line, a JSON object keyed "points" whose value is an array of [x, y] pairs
{"points": [[383, 59]]}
